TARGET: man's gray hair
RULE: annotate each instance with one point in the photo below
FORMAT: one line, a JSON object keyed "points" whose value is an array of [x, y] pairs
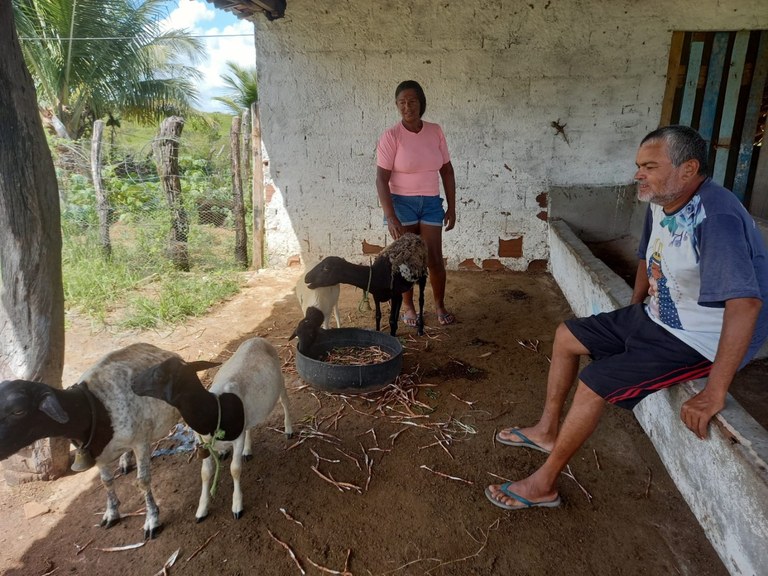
{"points": [[683, 144]]}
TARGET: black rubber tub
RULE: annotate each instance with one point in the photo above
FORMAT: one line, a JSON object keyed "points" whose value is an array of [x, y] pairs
{"points": [[350, 378]]}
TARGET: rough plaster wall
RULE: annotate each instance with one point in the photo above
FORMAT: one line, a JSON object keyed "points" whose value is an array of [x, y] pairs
{"points": [[496, 75]]}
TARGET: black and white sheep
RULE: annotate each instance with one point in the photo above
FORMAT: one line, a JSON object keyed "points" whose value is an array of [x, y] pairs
{"points": [[395, 270], [242, 395], [101, 414], [325, 299]]}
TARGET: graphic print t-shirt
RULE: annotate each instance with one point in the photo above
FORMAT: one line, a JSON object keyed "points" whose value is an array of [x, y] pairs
{"points": [[707, 252]]}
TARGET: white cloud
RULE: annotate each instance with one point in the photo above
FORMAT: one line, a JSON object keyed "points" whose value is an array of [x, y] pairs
{"points": [[200, 19], [188, 13]]}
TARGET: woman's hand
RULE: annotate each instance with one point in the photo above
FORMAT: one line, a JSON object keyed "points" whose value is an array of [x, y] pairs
{"points": [[450, 218], [395, 228]]}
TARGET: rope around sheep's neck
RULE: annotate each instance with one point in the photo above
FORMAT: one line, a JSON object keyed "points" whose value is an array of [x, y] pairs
{"points": [[210, 446], [364, 299]]}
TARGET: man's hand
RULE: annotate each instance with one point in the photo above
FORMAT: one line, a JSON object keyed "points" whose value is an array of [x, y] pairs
{"points": [[699, 410]]}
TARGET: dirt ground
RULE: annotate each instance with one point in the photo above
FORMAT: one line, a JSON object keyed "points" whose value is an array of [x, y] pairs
{"points": [[421, 509]]}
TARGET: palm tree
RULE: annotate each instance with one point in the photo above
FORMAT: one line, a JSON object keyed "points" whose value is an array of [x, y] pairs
{"points": [[96, 58], [243, 85]]}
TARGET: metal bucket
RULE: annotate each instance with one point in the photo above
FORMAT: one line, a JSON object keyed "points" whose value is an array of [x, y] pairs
{"points": [[350, 378]]}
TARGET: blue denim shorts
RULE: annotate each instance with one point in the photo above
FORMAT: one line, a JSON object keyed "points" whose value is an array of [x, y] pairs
{"points": [[414, 209], [632, 356]]}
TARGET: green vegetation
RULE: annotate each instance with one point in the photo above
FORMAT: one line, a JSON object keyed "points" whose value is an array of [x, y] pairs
{"points": [[243, 88], [137, 286], [93, 59]]}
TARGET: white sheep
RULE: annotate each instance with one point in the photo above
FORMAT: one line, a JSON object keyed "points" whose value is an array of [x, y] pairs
{"points": [[325, 299], [101, 414], [242, 395]]}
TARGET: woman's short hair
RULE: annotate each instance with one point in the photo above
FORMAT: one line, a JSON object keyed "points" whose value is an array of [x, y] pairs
{"points": [[413, 85], [683, 144]]}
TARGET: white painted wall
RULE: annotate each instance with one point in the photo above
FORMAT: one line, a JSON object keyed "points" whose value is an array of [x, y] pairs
{"points": [[496, 74]]}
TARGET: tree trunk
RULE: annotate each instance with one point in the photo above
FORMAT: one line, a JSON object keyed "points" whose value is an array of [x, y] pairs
{"points": [[102, 203], [238, 209], [258, 189], [166, 150], [31, 290]]}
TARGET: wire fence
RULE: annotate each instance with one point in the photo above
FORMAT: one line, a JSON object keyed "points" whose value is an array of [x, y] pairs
{"points": [[139, 217]]}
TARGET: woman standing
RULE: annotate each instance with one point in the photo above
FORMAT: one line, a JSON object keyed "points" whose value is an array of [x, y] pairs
{"points": [[410, 155]]}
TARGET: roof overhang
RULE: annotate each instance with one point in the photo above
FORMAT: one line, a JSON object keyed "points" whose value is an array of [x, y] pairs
{"points": [[250, 9]]}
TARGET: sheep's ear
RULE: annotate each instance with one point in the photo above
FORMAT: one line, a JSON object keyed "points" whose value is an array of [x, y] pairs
{"points": [[51, 407], [200, 365], [157, 381], [294, 334]]}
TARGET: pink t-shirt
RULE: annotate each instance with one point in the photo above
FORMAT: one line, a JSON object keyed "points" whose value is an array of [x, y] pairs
{"points": [[414, 159]]}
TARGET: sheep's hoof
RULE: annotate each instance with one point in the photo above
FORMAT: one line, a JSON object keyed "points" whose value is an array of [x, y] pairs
{"points": [[237, 515], [224, 456], [153, 533], [126, 469], [109, 523], [199, 519], [289, 435], [247, 457]]}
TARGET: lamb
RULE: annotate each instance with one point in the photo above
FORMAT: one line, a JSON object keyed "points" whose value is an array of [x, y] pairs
{"points": [[395, 270], [101, 414], [242, 395], [307, 331], [325, 299]]}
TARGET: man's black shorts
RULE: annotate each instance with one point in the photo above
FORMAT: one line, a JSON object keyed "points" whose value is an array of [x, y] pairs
{"points": [[632, 356]]}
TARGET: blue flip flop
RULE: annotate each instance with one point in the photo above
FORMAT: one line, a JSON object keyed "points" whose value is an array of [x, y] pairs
{"points": [[524, 441], [524, 501]]}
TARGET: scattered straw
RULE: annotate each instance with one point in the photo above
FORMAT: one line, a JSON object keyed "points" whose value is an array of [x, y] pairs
{"points": [[569, 473], [328, 570], [168, 563], [290, 552], [202, 546], [425, 467], [122, 548], [340, 485], [648, 486], [291, 518], [356, 356], [83, 547]]}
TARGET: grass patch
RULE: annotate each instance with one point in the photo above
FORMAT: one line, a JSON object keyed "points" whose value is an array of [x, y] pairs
{"points": [[138, 287], [177, 296]]}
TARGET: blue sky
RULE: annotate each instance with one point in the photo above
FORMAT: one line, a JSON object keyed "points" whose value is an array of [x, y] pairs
{"points": [[203, 19]]}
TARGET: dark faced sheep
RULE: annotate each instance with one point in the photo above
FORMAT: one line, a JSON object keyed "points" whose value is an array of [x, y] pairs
{"points": [[101, 414], [242, 395], [307, 331], [395, 270]]}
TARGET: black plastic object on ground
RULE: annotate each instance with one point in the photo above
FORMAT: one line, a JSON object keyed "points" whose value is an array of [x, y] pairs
{"points": [[350, 378]]}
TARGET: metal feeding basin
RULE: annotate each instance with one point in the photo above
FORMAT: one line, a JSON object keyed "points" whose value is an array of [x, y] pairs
{"points": [[335, 377]]}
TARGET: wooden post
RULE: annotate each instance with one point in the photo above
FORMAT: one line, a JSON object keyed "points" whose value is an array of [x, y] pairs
{"points": [[238, 210], [102, 203], [258, 189], [166, 150]]}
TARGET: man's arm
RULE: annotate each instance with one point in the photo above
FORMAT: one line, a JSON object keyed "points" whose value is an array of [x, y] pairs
{"points": [[641, 283], [738, 325]]}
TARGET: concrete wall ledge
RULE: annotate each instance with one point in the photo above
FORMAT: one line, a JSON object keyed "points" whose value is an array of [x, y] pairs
{"points": [[724, 479]]}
